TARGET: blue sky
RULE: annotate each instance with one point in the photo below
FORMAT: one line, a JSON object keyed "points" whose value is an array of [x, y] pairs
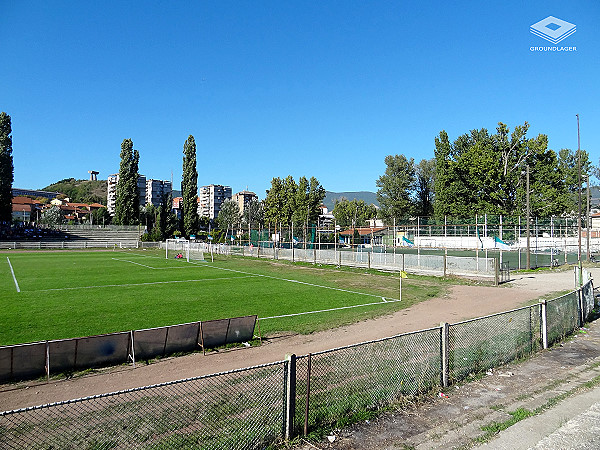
{"points": [[271, 88]]}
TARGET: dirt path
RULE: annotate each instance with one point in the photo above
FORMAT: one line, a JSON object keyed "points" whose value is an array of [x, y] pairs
{"points": [[461, 303]]}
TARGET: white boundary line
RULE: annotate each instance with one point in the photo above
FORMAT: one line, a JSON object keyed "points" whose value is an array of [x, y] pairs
{"points": [[148, 267], [13, 274], [250, 275], [326, 310], [140, 284], [297, 281]]}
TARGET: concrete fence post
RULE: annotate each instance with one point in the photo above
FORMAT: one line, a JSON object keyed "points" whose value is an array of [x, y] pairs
{"points": [[445, 354], [290, 395], [544, 324]]}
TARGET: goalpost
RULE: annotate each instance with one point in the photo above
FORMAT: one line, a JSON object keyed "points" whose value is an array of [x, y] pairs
{"points": [[190, 251]]}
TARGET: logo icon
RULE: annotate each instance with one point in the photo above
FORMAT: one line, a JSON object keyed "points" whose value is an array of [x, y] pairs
{"points": [[553, 29]]}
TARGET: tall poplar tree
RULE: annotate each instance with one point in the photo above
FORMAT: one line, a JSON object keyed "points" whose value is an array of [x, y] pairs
{"points": [[189, 187], [6, 168], [396, 187], [127, 207]]}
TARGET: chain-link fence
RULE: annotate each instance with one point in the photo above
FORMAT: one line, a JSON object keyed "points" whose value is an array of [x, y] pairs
{"points": [[480, 344], [254, 407], [419, 263], [562, 316], [336, 384], [234, 410]]}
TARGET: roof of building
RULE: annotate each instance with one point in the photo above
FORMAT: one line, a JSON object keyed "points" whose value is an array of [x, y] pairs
{"points": [[363, 231], [16, 207]]}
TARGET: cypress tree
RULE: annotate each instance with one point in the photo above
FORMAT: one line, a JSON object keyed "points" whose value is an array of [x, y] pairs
{"points": [[127, 207], [6, 169], [189, 187]]}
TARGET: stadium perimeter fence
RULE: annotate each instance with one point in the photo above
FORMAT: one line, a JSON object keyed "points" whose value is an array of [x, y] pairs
{"points": [[439, 265], [253, 407], [77, 244], [27, 361]]}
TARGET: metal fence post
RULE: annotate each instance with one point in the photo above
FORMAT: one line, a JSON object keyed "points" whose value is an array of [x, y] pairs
{"points": [[496, 272], [544, 324], [445, 262], [444, 344], [580, 306], [307, 406], [290, 394]]}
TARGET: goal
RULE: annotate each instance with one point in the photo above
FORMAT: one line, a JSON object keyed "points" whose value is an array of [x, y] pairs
{"points": [[181, 248]]}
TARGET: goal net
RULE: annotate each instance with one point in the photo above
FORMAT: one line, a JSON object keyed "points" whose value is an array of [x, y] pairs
{"points": [[182, 249]]}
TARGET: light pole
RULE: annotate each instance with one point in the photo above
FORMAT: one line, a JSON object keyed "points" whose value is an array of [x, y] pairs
{"points": [[579, 203], [528, 213], [587, 218]]}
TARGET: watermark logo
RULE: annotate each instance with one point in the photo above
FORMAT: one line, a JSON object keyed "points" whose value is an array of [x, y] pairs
{"points": [[553, 29]]}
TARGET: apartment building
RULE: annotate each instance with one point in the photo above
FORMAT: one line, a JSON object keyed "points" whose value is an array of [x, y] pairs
{"points": [[111, 195], [211, 198], [243, 199], [155, 190]]}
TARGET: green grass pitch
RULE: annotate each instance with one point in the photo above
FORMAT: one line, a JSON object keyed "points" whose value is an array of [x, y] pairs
{"points": [[74, 294]]}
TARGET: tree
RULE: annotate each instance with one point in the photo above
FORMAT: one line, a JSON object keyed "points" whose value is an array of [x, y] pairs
{"points": [[166, 222], [482, 173], [127, 207], [396, 187], [52, 216], [101, 216], [275, 202], [425, 175], [316, 194], [353, 212], [189, 187], [229, 215], [254, 214], [6, 168], [290, 190], [568, 163]]}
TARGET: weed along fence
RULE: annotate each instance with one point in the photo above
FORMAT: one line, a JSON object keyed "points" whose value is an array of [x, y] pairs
{"points": [[26, 361], [254, 407]]}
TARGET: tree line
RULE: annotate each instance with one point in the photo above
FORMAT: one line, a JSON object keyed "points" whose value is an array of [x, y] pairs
{"points": [[484, 173], [476, 173]]}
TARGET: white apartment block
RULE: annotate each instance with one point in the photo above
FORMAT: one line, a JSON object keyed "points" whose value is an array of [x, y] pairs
{"points": [[244, 198], [155, 189], [211, 198], [111, 195]]}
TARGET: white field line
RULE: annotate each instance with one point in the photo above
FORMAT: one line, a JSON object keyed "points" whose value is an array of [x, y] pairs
{"points": [[13, 275], [148, 267], [331, 309], [250, 274], [141, 284], [297, 281]]}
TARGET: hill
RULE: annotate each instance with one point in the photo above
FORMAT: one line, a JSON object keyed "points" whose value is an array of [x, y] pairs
{"points": [[331, 197], [83, 191]]}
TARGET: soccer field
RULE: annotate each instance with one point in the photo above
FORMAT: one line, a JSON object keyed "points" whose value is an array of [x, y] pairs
{"points": [[57, 295]]}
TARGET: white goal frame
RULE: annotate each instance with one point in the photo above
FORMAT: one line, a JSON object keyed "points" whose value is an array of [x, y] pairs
{"points": [[189, 250]]}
